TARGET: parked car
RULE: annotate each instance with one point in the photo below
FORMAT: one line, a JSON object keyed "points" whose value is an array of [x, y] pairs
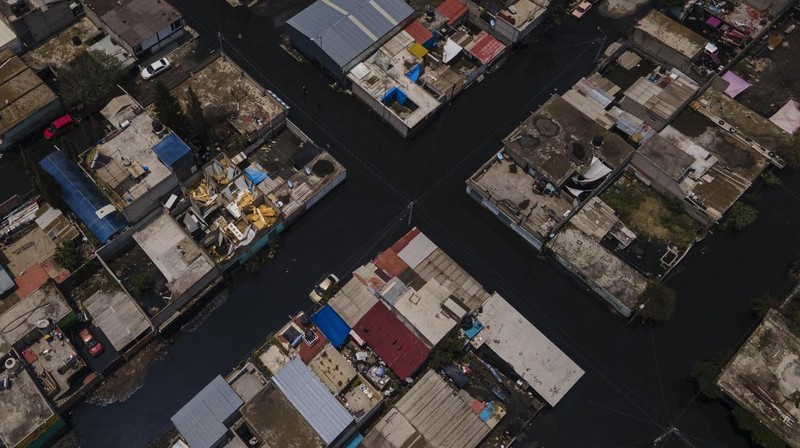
{"points": [[92, 344], [581, 9], [155, 68], [59, 126], [322, 287]]}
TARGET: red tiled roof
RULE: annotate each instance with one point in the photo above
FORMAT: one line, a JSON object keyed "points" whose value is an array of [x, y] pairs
{"points": [[418, 31], [31, 280], [453, 10], [390, 263], [392, 341], [485, 47]]}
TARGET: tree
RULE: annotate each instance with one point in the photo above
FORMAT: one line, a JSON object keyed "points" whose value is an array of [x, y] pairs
{"points": [[198, 125], [91, 78], [759, 434], [659, 302], [449, 349], [739, 217], [169, 111], [763, 303], [705, 374], [69, 255]]}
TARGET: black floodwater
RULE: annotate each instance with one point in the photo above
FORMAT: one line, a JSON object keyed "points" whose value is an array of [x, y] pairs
{"points": [[635, 387]]}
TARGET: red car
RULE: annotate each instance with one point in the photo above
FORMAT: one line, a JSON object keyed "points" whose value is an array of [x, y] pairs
{"points": [[92, 344], [59, 126]]}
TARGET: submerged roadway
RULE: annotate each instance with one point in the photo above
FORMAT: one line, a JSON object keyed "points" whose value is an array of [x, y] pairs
{"points": [[636, 385]]}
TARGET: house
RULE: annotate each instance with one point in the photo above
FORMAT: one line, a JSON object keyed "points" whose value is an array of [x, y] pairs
{"points": [[29, 103], [508, 20], [339, 34], [668, 43], [142, 27], [34, 21]]}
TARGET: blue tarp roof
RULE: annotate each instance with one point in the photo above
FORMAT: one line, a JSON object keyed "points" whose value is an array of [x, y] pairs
{"points": [[355, 440], [82, 196], [332, 326], [170, 149]]}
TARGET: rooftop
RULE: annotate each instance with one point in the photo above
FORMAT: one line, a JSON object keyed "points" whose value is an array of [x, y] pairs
{"points": [[763, 377], [22, 92], [519, 195], [672, 34], [125, 165], [748, 123], [277, 422], [332, 368], [53, 360], [61, 49], [524, 12], [118, 315], [662, 94], [345, 29], [227, 93], [392, 341], [204, 420], [423, 309], [360, 398], [556, 142], [548, 370], [313, 400], [44, 303], [176, 255], [134, 21], [24, 409], [353, 301], [432, 410]]}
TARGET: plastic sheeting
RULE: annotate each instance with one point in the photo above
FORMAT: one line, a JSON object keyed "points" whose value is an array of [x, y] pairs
{"points": [[395, 93], [788, 117], [255, 175], [415, 72], [736, 85], [171, 149], [596, 170], [451, 50], [331, 325]]}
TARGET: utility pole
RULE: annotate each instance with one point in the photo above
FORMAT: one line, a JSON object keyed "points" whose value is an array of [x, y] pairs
{"points": [[410, 212], [219, 39], [672, 431]]}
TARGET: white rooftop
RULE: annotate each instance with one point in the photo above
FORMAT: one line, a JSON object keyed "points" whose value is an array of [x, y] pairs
{"points": [[423, 310], [177, 256], [548, 370]]}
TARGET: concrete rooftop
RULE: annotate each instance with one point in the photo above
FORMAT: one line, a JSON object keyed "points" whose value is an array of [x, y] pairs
{"points": [[21, 90], [672, 34], [556, 142], [24, 409], [46, 302], [177, 256], [277, 422], [423, 310], [352, 301], [49, 357], [508, 185], [118, 163], [764, 377], [60, 50], [332, 368], [227, 93], [548, 370]]}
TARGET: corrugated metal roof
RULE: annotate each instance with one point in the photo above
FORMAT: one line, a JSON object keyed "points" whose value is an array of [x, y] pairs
{"points": [[453, 10], [353, 301], [345, 28], [485, 47], [418, 31], [201, 420], [417, 250], [313, 400], [118, 316], [392, 341]]}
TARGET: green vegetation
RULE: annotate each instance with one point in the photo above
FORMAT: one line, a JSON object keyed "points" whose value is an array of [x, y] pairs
{"points": [[91, 79], [198, 125], [236, 144], [760, 435], [740, 216], [650, 213], [450, 349], [705, 374], [69, 255], [763, 303], [659, 302], [140, 283], [169, 111], [770, 179], [766, 339]]}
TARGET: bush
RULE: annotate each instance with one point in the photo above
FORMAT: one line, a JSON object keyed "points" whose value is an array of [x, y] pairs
{"points": [[68, 255], [449, 349], [141, 283], [91, 78], [739, 217], [759, 434], [659, 302], [705, 373]]}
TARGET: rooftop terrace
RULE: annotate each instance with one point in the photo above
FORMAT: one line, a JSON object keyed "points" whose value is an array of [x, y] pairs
{"points": [[277, 422], [520, 196], [227, 93], [176, 255], [763, 377], [54, 361], [22, 92], [44, 303], [24, 410], [125, 165], [556, 142]]}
